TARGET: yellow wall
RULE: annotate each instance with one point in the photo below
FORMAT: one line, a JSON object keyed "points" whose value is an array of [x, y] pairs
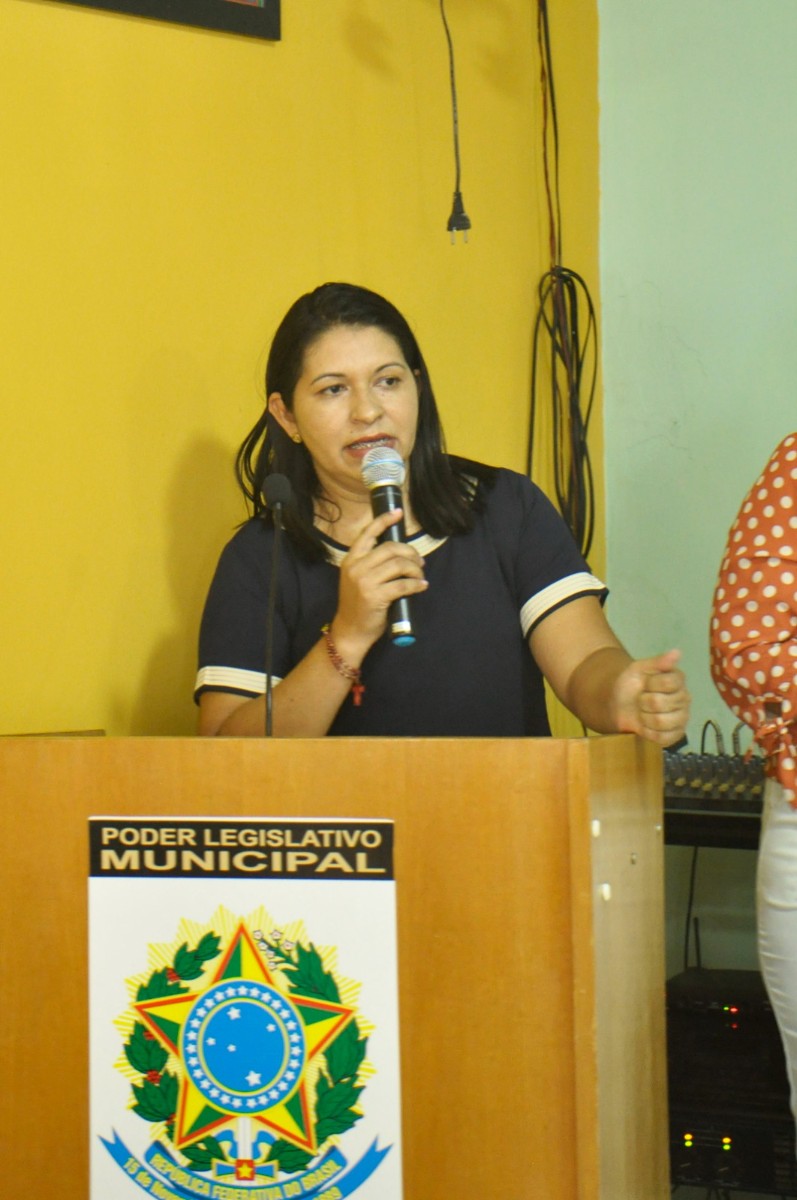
{"points": [[166, 193]]}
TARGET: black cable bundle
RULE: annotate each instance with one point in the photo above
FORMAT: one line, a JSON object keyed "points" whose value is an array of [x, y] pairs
{"points": [[574, 355], [571, 379]]}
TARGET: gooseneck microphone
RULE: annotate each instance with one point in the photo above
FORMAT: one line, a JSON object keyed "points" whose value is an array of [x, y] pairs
{"points": [[278, 493], [383, 474]]}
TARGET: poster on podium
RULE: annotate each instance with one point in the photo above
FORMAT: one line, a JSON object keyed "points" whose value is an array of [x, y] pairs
{"points": [[243, 1006]]}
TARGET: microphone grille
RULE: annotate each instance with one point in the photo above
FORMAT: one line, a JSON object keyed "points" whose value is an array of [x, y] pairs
{"points": [[277, 490], [382, 465]]}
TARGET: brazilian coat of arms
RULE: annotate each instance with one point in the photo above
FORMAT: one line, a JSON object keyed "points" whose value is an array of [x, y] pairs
{"points": [[247, 1058]]}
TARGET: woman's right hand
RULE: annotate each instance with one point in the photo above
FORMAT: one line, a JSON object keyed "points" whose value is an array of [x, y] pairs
{"points": [[372, 575]]}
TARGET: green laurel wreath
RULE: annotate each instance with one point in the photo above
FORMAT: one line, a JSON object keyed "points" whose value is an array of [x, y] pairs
{"points": [[156, 1096], [337, 1090]]}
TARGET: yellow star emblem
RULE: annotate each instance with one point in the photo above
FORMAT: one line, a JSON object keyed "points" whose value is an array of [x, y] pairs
{"points": [[244, 1045]]}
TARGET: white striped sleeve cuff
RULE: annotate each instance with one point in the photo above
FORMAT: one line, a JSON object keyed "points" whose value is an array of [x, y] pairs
{"points": [[557, 594], [233, 679]]}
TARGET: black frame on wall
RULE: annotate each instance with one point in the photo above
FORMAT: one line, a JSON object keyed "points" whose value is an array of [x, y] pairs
{"points": [[253, 18]]}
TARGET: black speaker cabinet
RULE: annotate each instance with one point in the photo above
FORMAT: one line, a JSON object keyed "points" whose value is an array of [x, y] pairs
{"points": [[730, 1122]]}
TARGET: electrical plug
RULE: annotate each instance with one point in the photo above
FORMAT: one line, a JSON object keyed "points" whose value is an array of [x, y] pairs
{"points": [[459, 221]]}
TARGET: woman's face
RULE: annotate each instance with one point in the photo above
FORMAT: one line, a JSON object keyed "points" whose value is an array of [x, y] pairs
{"points": [[355, 391]]}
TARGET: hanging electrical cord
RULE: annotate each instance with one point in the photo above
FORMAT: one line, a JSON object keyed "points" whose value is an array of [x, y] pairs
{"points": [[690, 922], [690, 903], [459, 221], [573, 365], [549, 98]]}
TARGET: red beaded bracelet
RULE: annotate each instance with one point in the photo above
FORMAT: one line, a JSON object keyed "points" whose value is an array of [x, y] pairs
{"points": [[343, 668]]}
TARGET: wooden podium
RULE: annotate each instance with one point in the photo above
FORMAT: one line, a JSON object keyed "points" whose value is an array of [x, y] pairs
{"points": [[529, 885]]}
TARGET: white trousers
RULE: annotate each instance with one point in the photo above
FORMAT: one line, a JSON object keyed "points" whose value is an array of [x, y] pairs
{"points": [[776, 902]]}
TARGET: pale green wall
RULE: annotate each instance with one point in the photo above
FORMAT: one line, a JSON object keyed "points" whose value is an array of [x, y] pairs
{"points": [[698, 238], [698, 134]]}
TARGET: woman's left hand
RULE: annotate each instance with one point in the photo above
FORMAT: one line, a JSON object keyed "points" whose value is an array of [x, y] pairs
{"points": [[596, 678], [651, 699]]}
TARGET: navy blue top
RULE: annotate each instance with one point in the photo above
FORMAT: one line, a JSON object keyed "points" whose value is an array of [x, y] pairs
{"points": [[469, 672]]}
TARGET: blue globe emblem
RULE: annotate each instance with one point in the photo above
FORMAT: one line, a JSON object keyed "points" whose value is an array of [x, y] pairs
{"points": [[243, 1046]]}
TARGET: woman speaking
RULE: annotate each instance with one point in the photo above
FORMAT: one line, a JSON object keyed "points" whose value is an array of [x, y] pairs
{"points": [[498, 594]]}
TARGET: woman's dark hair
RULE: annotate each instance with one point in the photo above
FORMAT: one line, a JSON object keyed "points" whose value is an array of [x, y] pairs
{"points": [[441, 489]]}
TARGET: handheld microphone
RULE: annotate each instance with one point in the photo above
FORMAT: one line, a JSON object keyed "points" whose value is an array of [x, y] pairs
{"points": [[383, 473], [277, 492]]}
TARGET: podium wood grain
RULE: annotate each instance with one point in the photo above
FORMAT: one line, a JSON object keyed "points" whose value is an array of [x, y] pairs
{"points": [[530, 922]]}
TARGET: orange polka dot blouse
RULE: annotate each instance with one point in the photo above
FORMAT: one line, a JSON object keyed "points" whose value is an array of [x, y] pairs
{"points": [[754, 616]]}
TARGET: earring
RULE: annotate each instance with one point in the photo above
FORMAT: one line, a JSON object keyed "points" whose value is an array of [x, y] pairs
{"points": [[297, 438]]}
